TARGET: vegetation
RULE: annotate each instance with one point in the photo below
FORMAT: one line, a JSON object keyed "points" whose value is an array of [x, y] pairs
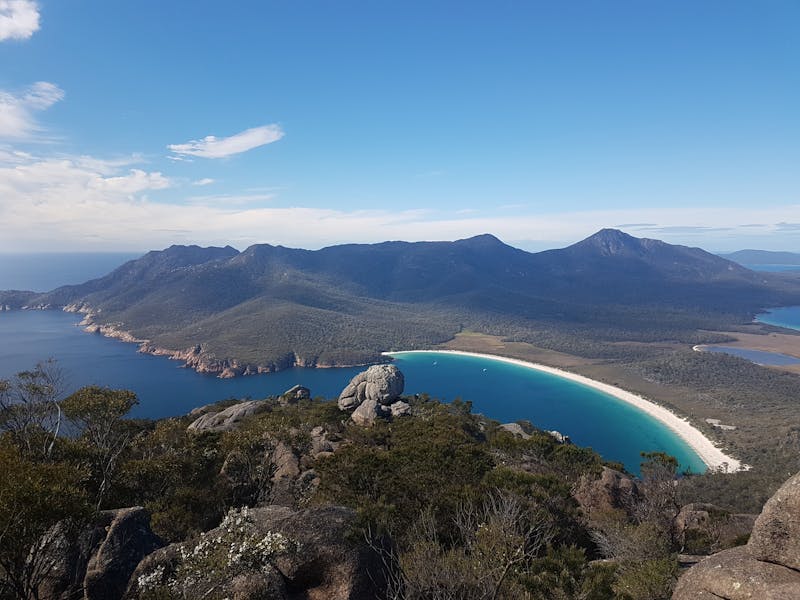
{"points": [[473, 511]]}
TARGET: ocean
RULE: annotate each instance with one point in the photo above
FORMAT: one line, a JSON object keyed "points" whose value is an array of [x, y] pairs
{"points": [[46, 271], [501, 391]]}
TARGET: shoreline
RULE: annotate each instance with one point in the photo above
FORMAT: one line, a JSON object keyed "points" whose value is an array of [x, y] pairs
{"points": [[713, 457]]}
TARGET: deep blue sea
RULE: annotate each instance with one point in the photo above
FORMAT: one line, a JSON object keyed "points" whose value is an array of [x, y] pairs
{"points": [[46, 271], [499, 390]]}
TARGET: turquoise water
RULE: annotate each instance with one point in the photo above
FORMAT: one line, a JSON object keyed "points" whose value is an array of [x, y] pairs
{"points": [[760, 357], [787, 316], [501, 391], [508, 392]]}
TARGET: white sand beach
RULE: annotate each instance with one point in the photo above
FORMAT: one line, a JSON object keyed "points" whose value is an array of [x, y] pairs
{"points": [[713, 457]]}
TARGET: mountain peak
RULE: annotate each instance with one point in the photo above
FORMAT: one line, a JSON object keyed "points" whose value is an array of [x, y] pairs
{"points": [[482, 240], [611, 242]]}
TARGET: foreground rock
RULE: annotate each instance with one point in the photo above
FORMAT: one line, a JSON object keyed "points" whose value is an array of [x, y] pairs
{"points": [[766, 568], [375, 394], [229, 418], [289, 554], [776, 533], [99, 564]]}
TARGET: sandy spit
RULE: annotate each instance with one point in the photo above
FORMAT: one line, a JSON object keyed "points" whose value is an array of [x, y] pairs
{"points": [[713, 457]]}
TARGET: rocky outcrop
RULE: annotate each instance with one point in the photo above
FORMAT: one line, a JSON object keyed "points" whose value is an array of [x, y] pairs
{"points": [[98, 564], [294, 395], [316, 559], [704, 528], [735, 575], [128, 540], [559, 437], [229, 418], [609, 492], [286, 470], [381, 384], [766, 568], [776, 533], [375, 394], [516, 429]]}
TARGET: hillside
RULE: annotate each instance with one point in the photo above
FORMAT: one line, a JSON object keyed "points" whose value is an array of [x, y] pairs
{"points": [[288, 497], [270, 307]]}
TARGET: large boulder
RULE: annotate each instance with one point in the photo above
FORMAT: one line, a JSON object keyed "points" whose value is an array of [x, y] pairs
{"points": [[369, 411], [294, 394], [229, 418], [735, 575], [381, 384], [612, 491], [776, 533], [98, 562], [317, 558], [128, 540], [767, 568]]}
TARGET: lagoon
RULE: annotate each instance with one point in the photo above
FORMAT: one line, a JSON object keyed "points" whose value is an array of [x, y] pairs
{"points": [[760, 357], [501, 391]]}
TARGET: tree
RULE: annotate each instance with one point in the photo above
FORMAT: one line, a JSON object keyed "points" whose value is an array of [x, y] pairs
{"points": [[29, 409], [34, 498], [660, 503], [97, 413], [497, 538]]}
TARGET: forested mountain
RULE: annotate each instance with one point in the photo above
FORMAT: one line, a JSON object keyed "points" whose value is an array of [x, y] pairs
{"points": [[271, 306]]}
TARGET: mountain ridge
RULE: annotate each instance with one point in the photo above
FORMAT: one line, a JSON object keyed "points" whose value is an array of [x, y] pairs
{"points": [[268, 307]]}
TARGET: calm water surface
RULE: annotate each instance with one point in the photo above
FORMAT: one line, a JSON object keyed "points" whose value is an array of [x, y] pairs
{"points": [[501, 391], [787, 316], [760, 357]]}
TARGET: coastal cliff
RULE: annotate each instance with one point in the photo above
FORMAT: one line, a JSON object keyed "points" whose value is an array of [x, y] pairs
{"points": [[197, 356]]}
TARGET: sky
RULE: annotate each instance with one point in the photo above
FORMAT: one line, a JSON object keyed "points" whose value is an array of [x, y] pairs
{"points": [[128, 126]]}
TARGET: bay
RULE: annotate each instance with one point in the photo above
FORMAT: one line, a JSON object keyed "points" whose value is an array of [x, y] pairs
{"points": [[501, 391], [785, 316]]}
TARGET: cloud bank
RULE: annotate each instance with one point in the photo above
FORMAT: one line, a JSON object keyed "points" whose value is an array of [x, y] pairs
{"points": [[86, 203], [19, 19], [214, 147]]}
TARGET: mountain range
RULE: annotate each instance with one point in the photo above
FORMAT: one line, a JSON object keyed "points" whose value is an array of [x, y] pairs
{"points": [[270, 307]]}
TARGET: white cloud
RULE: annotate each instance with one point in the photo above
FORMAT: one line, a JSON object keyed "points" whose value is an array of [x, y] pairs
{"points": [[89, 203], [214, 147], [204, 181], [19, 19], [17, 112], [228, 200], [134, 182]]}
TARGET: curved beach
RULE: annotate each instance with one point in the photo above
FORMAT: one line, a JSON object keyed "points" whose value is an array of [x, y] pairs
{"points": [[713, 457]]}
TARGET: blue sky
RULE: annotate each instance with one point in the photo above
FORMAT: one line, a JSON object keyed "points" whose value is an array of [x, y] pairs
{"points": [[134, 125]]}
